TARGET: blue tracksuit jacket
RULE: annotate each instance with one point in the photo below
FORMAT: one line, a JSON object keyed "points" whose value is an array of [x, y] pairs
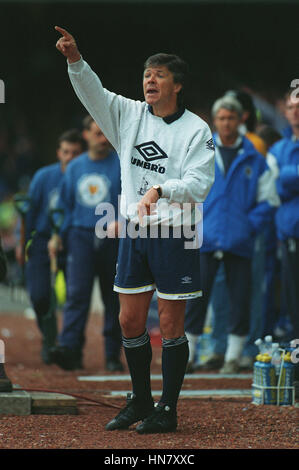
{"points": [[86, 184], [239, 203], [286, 152]]}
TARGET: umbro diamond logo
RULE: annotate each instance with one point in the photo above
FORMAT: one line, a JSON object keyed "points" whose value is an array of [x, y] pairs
{"points": [[210, 145], [186, 280], [151, 151]]}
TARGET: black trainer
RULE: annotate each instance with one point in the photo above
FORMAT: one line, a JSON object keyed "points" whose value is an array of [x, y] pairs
{"points": [[114, 365], [132, 413], [66, 358], [46, 354], [162, 419]]}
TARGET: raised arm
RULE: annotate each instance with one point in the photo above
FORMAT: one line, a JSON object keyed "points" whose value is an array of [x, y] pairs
{"points": [[106, 107]]}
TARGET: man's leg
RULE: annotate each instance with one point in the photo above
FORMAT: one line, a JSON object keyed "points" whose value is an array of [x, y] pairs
{"points": [[138, 351], [239, 276], [220, 304], [39, 288], [256, 305], [290, 280], [175, 353], [269, 304], [112, 333], [196, 309], [290, 283], [79, 282]]}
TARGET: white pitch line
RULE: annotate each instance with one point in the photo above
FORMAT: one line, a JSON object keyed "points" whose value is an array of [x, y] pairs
{"points": [[189, 393], [125, 378]]}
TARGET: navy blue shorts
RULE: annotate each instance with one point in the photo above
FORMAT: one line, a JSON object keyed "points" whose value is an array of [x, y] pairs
{"points": [[146, 264]]}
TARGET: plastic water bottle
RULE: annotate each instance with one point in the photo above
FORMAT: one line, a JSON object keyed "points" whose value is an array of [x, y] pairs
{"points": [[268, 345], [287, 379], [257, 393], [276, 358], [269, 380], [260, 344], [256, 370]]}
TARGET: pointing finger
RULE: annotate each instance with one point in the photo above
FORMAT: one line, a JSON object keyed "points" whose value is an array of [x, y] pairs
{"points": [[63, 32]]}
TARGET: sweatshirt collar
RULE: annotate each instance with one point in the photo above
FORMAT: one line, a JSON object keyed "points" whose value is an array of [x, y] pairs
{"points": [[172, 117], [236, 144]]}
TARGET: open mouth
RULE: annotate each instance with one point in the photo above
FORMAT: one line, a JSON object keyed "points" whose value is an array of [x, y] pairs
{"points": [[151, 91]]}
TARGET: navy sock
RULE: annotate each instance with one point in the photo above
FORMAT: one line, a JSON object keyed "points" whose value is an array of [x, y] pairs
{"points": [[139, 355], [175, 354]]}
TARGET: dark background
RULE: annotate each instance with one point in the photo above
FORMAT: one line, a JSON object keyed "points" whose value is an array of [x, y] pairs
{"points": [[226, 45]]}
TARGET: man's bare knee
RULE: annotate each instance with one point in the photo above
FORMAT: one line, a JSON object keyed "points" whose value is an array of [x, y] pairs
{"points": [[130, 324], [133, 313], [171, 315]]}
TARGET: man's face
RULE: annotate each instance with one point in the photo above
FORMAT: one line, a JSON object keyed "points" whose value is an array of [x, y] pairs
{"points": [[227, 123], [67, 151], [96, 140], [292, 112], [159, 87]]}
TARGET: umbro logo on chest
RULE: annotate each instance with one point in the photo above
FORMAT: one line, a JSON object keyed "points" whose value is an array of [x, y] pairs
{"points": [[150, 152]]}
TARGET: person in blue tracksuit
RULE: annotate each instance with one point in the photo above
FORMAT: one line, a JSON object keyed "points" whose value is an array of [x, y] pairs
{"points": [[270, 307], [43, 193], [238, 206], [93, 178], [286, 154], [5, 382]]}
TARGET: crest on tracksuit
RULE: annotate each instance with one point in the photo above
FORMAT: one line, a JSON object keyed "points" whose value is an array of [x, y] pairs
{"points": [[248, 171], [93, 189]]}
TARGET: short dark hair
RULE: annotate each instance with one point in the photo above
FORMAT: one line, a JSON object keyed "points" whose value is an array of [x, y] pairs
{"points": [[177, 66], [87, 121], [268, 134], [73, 136], [248, 105]]}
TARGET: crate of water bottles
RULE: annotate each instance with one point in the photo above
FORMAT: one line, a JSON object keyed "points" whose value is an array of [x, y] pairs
{"points": [[273, 374]]}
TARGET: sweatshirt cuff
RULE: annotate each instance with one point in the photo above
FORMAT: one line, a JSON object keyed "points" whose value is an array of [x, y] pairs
{"points": [[166, 190], [76, 66]]}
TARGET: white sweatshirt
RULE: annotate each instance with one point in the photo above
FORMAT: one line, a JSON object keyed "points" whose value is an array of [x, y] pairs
{"points": [[179, 156]]}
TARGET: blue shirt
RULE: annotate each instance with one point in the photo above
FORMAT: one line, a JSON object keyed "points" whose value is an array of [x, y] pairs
{"points": [[43, 192], [86, 184]]}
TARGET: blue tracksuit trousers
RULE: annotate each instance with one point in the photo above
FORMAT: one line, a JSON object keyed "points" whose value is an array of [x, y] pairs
{"points": [[88, 257], [238, 274]]}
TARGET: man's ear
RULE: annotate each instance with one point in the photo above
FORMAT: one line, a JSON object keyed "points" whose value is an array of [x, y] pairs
{"points": [[85, 134], [177, 87]]}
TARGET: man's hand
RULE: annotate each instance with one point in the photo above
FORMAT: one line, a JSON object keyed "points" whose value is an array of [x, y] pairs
{"points": [[147, 204], [67, 46], [54, 245]]}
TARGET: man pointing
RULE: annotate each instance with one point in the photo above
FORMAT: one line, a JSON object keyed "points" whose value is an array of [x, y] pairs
{"points": [[167, 166]]}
